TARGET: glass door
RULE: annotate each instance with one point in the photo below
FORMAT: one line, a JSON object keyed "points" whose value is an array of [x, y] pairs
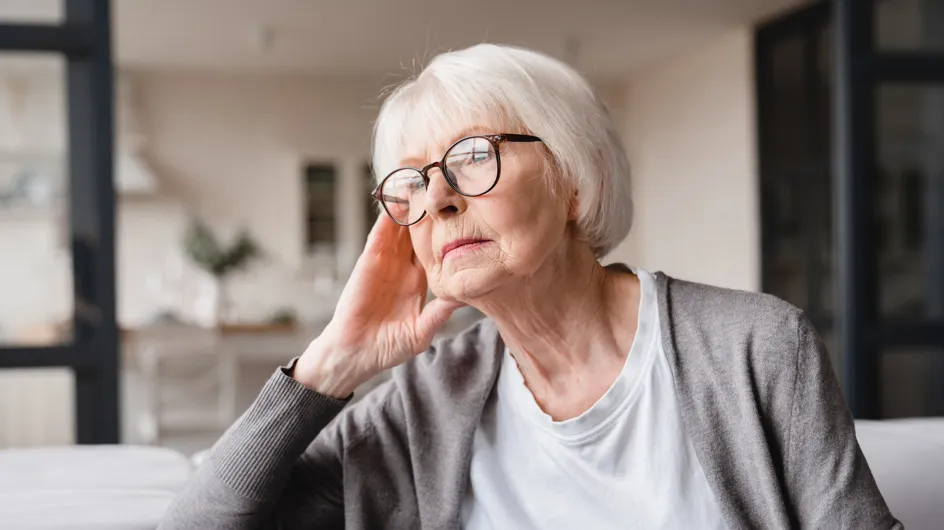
{"points": [[850, 101], [58, 332]]}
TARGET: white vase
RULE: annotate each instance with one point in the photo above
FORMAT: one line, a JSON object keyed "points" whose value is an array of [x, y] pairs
{"points": [[212, 305], [224, 302]]}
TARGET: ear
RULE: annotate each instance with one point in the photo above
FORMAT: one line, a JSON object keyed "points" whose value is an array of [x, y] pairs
{"points": [[573, 205]]}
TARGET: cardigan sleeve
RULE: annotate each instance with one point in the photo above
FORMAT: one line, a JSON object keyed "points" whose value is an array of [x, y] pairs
{"points": [[256, 477], [827, 475]]}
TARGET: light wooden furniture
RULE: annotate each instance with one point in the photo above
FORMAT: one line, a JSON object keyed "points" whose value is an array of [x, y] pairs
{"points": [[190, 375]]}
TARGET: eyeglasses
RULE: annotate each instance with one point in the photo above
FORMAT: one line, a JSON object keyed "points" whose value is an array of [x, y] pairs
{"points": [[471, 166]]}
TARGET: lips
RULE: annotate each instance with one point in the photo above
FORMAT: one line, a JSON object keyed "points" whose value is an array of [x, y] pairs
{"points": [[459, 243]]}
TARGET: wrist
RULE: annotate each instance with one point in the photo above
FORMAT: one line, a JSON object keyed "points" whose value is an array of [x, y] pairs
{"points": [[327, 370]]}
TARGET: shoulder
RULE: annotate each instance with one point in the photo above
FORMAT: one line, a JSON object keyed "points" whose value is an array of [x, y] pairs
{"points": [[728, 321], [733, 351], [727, 305]]}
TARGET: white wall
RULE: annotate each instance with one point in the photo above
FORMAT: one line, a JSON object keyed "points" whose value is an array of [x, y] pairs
{"points": [[690, 133]]}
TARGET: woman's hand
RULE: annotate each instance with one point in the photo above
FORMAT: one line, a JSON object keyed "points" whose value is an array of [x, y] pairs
{"points": [[380, 320]]}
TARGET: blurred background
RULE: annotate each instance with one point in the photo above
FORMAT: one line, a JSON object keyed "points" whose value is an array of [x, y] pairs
{"points": [[184, 184]]}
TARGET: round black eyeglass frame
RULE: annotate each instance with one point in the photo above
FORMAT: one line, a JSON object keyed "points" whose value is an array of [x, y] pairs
{"points": [[494, 139]]}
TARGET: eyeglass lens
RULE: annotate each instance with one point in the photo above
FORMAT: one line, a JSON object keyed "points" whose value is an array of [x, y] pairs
{"points": [[471, 167]]}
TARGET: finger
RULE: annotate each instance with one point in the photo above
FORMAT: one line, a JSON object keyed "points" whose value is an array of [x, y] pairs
{"points": [[405, 243], [382, 229], [433, 316], [414, 278], [387, 240], [392, 239]]}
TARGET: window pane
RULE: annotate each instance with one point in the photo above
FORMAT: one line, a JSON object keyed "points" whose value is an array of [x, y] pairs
{"points": [[320, 183], [31, 11], [37, 407], [911, 382], [909, 25], [789, 111], [795, 157], [35, 256], [784, 126], [909, 201]]}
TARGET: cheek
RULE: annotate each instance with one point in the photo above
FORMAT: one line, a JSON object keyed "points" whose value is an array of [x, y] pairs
{"points": [[531, 224], [421, 238], [535, 236]]}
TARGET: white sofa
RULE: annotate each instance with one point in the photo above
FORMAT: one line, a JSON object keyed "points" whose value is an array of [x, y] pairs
{"points": [[88, 487], [907, 459], [121, 487]]}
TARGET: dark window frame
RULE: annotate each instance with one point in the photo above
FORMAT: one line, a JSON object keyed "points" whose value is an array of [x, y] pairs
{"points": [[804, 23], [84, 39], [858, 70]]}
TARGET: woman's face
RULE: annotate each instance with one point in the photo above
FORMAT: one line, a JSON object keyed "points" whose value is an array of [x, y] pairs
{"points": [[470, 246]]}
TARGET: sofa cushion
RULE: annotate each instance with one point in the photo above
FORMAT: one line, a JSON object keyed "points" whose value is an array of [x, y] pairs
{"points": [[907, 459], [98, 509], [100, 487], [93, 466]]}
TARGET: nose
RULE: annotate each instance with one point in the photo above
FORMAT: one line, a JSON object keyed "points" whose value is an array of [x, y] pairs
{"points": [[441, 200]]}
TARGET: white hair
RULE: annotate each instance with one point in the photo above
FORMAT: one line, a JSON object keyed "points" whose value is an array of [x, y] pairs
{"points": [[526, 92]]}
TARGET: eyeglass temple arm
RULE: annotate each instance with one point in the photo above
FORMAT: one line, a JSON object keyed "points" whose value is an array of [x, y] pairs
{"points": [[516, 138]]}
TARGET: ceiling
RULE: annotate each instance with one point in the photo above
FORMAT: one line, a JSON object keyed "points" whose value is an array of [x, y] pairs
{"points": [[604, 38]]}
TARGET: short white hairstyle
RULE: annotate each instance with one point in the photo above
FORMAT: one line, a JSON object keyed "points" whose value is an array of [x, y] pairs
{"points": [[525, 92]]}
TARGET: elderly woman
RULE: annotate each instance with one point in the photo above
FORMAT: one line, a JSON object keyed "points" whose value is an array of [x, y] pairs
{"points": [[590, 396]]}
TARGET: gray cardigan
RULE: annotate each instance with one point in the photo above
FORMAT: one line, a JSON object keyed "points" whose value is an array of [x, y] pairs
{"points": [[756, 390]]}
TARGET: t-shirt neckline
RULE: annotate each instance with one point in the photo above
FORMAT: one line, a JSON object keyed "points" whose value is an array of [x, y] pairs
{"points": [[621, 394]]}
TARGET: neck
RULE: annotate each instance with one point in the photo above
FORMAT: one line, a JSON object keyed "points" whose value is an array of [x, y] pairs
{"points": [[569, 325]]}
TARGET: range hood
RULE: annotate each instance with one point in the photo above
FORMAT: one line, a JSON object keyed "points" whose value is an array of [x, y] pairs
{"points": [[31, 167], [133, 174]]}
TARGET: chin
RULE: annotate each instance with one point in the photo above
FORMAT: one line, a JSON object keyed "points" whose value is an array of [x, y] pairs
{"points": [[469, 283]]}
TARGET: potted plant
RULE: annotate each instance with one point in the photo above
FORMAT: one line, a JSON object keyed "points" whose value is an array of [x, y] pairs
{"points": [[219, 261]]}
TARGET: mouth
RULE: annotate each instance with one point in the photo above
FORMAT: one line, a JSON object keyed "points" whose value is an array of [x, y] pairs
{"points": [[459, 246]]}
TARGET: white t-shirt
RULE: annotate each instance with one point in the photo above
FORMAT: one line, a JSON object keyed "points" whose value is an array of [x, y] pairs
{"points": [[627, 462]]}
